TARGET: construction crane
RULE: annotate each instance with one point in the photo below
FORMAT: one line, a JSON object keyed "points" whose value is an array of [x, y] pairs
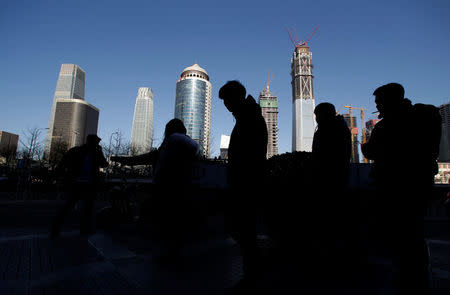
{"points": [[363, 129], [296, 41]]}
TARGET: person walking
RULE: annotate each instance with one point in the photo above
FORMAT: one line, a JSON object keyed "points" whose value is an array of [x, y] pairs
{"points": [[79, 168], [245, 171]]}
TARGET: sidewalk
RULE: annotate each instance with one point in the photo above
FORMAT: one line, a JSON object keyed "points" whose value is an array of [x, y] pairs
{"points": [[124, 262], [100, 265]]}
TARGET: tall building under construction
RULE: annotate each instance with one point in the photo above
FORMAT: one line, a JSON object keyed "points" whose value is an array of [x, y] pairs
{"points": [[269, 107], [303, 104]]}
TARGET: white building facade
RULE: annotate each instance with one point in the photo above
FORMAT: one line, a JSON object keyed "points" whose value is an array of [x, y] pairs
{"points": [[142, 129]]}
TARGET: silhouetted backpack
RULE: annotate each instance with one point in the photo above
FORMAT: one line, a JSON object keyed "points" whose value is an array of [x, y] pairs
{"points": [[427, 129]]}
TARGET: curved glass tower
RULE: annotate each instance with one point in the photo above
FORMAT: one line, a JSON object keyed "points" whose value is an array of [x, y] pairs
{"points": [[142, 130], [193, 105]]}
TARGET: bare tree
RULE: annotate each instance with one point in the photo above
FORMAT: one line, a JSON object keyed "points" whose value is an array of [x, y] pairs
{"points": [[32, 145]]}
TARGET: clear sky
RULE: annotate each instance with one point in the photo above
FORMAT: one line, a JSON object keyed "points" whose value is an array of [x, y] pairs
{"points": [[123, 45]]}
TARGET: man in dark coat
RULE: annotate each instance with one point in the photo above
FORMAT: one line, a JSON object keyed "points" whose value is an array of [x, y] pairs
{"points": [[331, 152], [246, 160], [79, 168], [403, 169]]}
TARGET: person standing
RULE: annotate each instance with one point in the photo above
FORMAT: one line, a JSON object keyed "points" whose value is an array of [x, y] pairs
{"points": [[403, 148], [167, 208], [331, 152], [79, 168], [245, 171]]}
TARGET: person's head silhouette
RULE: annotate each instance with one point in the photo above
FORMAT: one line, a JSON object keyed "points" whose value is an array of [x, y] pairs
{"points": [[92, 140], [325, 112], [233, 95], [388, 98], [174, 126]]}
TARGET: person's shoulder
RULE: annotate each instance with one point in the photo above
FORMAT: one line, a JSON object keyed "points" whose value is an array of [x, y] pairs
{"points": [[181, 139]]}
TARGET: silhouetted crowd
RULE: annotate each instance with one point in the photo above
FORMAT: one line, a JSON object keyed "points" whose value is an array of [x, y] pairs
{"points": [[403, 146]]}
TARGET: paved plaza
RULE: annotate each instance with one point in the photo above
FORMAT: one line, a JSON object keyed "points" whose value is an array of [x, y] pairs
{"points": [[126, 262]]}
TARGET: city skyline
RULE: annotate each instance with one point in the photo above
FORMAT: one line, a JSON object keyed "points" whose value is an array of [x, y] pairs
{"points": [[357, 48]]}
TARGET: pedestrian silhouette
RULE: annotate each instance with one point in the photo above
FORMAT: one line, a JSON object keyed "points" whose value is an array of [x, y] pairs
{"points": [[403, 147], [331, 152], [167, 207], [79, 168], [245, 171]]}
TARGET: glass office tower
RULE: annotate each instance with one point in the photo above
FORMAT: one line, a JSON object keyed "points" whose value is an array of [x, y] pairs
{"points": [[142, 129], [193, 105]]}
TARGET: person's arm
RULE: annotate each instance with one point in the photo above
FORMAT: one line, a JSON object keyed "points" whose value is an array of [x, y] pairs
{"points": [[102, 161], [370, 148], [144, 159]]}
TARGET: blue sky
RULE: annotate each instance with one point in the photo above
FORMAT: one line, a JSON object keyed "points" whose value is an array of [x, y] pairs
{"points": [[123, 45]]}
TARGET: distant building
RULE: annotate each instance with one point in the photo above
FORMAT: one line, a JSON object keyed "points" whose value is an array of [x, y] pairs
{"points": [[224, 143], [193, 105], [351, 123], [8, 145], [303, 104], [269, 107], [74, 120], [71, 118], [444, 147], [142, 129]]}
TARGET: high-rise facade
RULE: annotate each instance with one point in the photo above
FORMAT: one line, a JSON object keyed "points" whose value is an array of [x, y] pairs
{"points": [[8, 144], [142, 129], [269, 108], [71, 118], [444, 147], [193, 105], [303, 104], [351, 123], [74, 120]]}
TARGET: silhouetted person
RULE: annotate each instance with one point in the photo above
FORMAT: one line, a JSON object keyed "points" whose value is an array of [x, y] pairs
{"points": [[80, 170], [404, 155], [245, 171], [331, 152], [172, 177]]}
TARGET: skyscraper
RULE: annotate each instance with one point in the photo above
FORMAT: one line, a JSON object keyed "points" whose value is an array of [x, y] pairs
{"points": [[71, 118], [142, 129], [74, 120], [303, 104], [269, 107], [193, 105], [444, 147]]}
